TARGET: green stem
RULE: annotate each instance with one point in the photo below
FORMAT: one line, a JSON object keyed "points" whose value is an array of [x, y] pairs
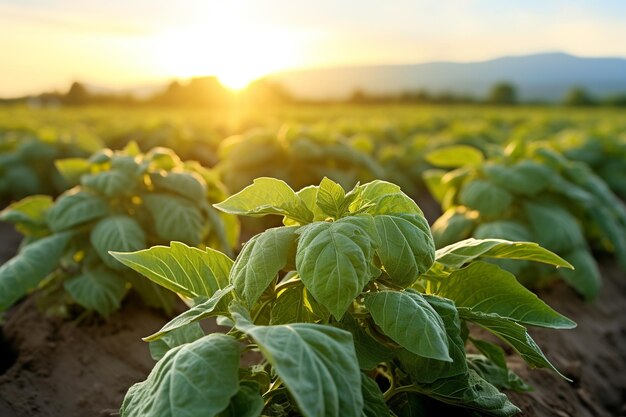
{"points": [[394, 391]]}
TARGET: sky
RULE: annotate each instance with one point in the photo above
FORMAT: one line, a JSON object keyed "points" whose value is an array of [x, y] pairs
{"points": [[47, 44]]}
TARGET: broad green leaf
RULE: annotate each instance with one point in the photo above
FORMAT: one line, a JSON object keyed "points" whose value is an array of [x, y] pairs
{"points": [[152, 294], [98, 290], [186, 184], [369, 351], [503, 229], [267, 196], [196, 379], [554, 227], [466, 251], [30, 210], [455, 156], [426, 370], [334, 260], [526, 177], [471, 391], [180, 268], [109, 183], [316, 363], [512, 333], [260, 260], [214, 306], [32, 264], [454, 225], [408, 319], [485, 197], [407, 249], [380, 197], [185, 334], [117, 233], [73, 168], [246, 403], [585, 278], [373, 402], [486, 288], [331, 198], [74, 208], [175, 218], [295, 304]]}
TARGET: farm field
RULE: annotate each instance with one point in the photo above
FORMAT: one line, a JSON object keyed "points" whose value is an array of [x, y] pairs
{"points": [[425, 202]]}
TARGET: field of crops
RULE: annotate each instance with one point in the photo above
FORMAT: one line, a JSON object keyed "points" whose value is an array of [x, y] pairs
{"points": [[313, 260]]}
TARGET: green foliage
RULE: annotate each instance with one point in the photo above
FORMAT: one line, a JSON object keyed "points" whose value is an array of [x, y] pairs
{"points": [[126, 201], [535, 194], [332, 310], [27, 162]]}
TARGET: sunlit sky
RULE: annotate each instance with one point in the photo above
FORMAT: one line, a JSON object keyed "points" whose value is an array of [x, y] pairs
{"points": [[46, 44]]}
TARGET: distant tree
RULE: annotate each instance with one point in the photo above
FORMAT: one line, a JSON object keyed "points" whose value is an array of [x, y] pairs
{"points": [[77, 95], [578, 96], [502, 93]]}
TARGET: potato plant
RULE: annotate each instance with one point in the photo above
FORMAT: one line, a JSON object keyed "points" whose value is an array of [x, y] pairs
{"points": [[27, 162], [532, 195], [122, 200], [352, 310]]}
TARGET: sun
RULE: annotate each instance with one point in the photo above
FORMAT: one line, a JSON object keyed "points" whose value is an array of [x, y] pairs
{"points": [[235, 52]]}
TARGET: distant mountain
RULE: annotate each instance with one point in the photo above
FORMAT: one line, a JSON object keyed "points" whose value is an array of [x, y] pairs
{"points": [[542, 76]]}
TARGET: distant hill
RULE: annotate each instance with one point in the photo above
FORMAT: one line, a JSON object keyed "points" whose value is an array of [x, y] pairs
{"points": [[542, 77]]}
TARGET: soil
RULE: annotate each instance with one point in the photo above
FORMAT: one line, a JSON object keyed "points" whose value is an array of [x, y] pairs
{"points": [[51, 367]]}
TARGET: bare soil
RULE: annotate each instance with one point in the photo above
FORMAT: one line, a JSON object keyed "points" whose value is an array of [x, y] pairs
{"points": [[51, 367]]}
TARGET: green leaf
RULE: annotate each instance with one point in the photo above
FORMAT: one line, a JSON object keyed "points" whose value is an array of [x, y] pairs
{"points": [[373, 402], [585, 278], [369, 351], [196, 380], [117, 233], [471, 391], [334, 260], [214, 306], [331, 198], [295, 304], [73, 168], [186, 184], [246, 403], [267, 196], [501, 378], [381, 197], [175, 218], [433, 178], [98, 290], [260, 260], [492, 367], [425, 370], [554, 227], [454, 225], [180, 336], [30, 210], [32, 264], [74, 208], [407, 249], [466, 251], [488, 289], [316, 363], [109, 183], [485, 197], [180, 268], [512, 333], [408, 319], [526, 177], [455, 156]]}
